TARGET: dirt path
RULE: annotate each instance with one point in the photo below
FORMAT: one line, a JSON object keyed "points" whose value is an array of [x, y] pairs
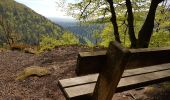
{"points": [[61, 60]]}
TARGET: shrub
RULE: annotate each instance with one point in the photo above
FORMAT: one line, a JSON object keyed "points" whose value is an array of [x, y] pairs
{"points": [[48, 43]]}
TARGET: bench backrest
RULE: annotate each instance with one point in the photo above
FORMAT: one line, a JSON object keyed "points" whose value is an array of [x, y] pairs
{"points": [[93, 62], [148, 57], [118, 58]]}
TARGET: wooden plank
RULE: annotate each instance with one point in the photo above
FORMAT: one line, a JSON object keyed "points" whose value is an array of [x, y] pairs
{"points": [[90, 62], [139, 58], [93, 53], [148, 57], [148, 69], [143, 80], [124, 84], [93, 77], [74, 92], [78, 80]]}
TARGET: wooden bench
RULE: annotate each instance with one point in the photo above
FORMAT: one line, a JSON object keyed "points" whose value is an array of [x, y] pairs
{"points": [[150, 69], [92, 62]]}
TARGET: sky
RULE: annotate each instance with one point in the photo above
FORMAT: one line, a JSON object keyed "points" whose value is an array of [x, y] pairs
{"points": [[47, 8]]}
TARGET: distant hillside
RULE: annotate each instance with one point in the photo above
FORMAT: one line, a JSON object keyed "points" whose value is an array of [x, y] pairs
{"points": [[19, 23], [83, 31]]}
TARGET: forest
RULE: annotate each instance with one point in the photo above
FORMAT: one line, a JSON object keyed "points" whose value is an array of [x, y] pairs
{"points": [[21, 25], [129, 22]]}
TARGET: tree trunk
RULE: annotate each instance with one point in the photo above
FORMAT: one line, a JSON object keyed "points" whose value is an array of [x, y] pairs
{"points": [[130, 20], [114, 21], [146, 31]]}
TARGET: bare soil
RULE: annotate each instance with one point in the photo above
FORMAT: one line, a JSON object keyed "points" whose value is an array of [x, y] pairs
{"points": [[62, 61]]}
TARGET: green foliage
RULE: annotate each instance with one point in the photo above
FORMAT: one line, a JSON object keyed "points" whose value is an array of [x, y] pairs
{"points": [[160, 39], [88, 43], [161, 34], [69, 39], [107, 35], [47, 42], [26, 25], [97, 11]]}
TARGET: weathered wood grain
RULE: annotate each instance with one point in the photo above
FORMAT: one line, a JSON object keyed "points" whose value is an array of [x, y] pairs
{"points": [[148, 56], [92, 78], [109, 77], [64, 83], [93, 62], [126, 83], [90, 62]]}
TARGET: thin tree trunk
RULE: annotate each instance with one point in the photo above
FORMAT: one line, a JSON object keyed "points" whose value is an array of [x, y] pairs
{"points": [[130, 20], [146, 31], [114, 21]]}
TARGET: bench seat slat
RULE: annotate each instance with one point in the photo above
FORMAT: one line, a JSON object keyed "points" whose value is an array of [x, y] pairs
{"points": [[78, 80], [80, 90], [140, 79], [149, 69], [93, 77], [124, 83]]}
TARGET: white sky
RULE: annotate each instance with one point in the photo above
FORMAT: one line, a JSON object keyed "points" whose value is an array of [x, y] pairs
{"points": [[47, 8]]}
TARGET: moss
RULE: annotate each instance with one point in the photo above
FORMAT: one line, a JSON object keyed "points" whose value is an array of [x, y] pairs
{"points": [[33, 70]]}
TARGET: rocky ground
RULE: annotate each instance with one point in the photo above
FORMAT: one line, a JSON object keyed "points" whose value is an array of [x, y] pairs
{"points": [[62, 62]]}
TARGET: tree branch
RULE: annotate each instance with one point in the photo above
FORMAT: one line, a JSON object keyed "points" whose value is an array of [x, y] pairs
{"points": [[130, 20], [85, 9], [114, 21], [146, 31]]}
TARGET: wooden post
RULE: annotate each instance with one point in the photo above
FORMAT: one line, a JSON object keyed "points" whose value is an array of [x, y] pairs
{"points": [[117, 58]]}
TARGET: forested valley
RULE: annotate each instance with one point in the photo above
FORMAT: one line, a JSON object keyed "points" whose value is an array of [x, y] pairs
{"points": [[19, 25]]}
